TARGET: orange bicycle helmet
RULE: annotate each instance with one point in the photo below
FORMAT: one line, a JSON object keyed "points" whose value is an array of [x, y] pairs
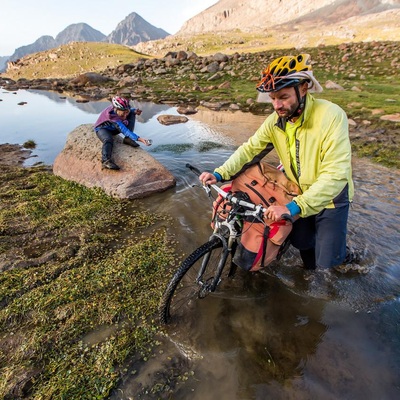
{"points": [[278, 74]]}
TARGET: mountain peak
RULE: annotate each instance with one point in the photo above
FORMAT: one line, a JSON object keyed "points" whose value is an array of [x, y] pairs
{"points": [[79, 32], [133, 30]]}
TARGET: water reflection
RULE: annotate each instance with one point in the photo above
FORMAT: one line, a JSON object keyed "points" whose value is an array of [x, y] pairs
{"points": [[48, 117], [280, 334]]}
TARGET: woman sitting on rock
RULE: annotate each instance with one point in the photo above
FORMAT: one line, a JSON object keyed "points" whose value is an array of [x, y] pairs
{"points": [[115, 119]]}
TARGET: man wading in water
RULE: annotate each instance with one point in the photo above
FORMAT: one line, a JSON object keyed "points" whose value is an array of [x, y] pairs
{"points": [[311, 138]]}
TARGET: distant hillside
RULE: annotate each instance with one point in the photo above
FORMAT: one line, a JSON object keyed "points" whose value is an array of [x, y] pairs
{"points": [[133, 30], [73, 33], [235, 26], [71, 59], [41, 44], [264, 15]]}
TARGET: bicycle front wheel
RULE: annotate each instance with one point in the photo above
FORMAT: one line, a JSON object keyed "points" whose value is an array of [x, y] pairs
{"points": [[194, 279]]}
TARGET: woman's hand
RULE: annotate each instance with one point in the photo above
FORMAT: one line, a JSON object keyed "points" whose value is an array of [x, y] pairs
{"points": [[147, 142]]}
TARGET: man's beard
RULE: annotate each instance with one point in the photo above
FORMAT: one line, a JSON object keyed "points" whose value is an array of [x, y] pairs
{"points": [[287, 112]]}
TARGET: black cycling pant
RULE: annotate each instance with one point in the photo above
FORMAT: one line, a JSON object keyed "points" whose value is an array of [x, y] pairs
{"points": [[322, 237], [106, 135]]}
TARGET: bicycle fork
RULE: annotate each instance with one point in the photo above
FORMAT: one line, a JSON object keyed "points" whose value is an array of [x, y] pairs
{"points": [[211, 284]]}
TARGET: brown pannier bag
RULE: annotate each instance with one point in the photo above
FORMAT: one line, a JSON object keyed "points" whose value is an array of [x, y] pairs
{"points": [[260, 242]]}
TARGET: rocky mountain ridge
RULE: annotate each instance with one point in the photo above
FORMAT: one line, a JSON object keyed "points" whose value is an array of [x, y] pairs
{"points": [[295, 24], [80, 32], [132, 30], [264, 15]]}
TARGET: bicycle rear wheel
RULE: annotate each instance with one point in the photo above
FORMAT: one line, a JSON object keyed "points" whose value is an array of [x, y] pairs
{"points": [[193, 280]]}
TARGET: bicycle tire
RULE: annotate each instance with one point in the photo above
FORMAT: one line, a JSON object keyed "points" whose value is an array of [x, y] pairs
{"points": [[182, 290]]}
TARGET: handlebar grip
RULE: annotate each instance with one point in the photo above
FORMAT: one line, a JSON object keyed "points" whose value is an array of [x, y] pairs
{"points": [[288, 217], [193, 169]]}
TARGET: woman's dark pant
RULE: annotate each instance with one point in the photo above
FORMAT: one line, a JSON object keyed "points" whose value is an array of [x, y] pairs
{"points": [[321, 238], [107, 137]]}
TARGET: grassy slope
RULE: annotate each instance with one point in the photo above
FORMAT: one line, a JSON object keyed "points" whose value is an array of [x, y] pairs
{"points": [[73, 59]]}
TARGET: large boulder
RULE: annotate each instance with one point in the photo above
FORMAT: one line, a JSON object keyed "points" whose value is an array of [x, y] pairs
{"points": [[140, 174]]}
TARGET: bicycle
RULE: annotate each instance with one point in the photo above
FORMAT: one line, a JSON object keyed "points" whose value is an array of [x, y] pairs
{"points": [[203, 270]]}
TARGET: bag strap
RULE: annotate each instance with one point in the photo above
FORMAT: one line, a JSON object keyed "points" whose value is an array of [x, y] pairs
{"points": [[265, 241], [257, 193]]}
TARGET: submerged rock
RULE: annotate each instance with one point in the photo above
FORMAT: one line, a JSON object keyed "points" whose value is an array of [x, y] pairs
{"points": [[171, 119]]}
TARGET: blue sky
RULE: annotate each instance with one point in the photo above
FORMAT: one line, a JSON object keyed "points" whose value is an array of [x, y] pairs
{"points": [[24, 21]]}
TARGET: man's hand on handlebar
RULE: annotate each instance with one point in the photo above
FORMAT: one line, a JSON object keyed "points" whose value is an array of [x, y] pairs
{"points": [[207, 178], [276, 212]]}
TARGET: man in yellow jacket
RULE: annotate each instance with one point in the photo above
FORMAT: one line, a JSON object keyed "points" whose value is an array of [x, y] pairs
{"points": [[312, 141]]}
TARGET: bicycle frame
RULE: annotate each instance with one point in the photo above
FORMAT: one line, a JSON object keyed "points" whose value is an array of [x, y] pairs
{"points": [[203, 270], [226, 231]]}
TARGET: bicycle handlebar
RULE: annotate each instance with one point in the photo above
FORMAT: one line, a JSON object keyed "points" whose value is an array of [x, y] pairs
{"points": [[231, 197]]}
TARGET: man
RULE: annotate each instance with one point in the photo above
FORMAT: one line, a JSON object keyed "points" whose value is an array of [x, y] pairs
{"points": [[117, 118], [312, 141]]}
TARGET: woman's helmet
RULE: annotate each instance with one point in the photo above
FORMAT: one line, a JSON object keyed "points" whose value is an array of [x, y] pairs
{"points": [[284, 72], [120, 103]]}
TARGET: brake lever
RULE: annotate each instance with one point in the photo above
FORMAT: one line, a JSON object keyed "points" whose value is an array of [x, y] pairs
{"points": [[205, 188], [288, 217], [198, 173]]}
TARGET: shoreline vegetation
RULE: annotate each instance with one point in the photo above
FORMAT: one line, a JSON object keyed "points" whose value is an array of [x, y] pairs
{"points": [[81, 273], [75, 264]]}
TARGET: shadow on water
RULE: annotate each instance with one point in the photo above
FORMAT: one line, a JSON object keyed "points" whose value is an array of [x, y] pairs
{"points": [[279, 334]]}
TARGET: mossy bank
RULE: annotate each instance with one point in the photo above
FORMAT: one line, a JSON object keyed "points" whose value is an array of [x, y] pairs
{"points": [[81, 275]]}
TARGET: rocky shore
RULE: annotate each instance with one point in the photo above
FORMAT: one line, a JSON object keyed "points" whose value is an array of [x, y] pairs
{"points": [[354, 75], [184, 77]]}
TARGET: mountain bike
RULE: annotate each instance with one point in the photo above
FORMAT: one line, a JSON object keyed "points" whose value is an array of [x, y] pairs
{"points": [[203, 271]]}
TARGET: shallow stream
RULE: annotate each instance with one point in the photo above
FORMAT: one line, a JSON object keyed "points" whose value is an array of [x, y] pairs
{"points": [[280, 334]]}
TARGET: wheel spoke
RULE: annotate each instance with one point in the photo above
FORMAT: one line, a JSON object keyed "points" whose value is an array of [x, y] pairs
{"points": [[192, 281]]}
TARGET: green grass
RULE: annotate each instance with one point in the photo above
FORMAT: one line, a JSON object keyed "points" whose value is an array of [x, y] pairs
{"points": [[381, 153], [74, 59], [81, 267]]}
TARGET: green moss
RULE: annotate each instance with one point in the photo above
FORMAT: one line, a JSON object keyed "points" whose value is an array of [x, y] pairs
{"points": [[102, 276], [385, 154], [29, 144]]}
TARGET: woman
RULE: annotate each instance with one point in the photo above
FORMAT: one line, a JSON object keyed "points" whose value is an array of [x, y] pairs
{"points": [[115, 119]]}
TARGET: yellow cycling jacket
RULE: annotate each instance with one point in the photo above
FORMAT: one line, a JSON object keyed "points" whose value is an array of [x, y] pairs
{"points": [[323, 155]]}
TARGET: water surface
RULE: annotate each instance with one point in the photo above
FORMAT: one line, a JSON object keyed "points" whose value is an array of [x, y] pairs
{"points": [[280, 334]]}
